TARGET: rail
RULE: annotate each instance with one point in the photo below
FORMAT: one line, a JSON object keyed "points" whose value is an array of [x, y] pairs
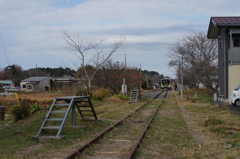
{"points": [[83, 147]]}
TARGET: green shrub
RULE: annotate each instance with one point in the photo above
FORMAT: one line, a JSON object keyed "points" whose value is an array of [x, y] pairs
{"points": [[35, 108], [100, 94], [21, 111], [47, 102], [82, 92], [120, 96]]}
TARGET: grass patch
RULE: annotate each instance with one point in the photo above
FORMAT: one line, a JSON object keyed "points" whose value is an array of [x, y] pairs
{"points": [[219, 126], [168, 136], [213, 121], [108, 111]]}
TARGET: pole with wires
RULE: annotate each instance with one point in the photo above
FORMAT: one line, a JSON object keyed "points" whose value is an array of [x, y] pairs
{"points": [[4, 49]]}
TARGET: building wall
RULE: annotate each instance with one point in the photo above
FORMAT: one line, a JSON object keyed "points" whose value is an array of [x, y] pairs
{"points": [[44, 83], [33, 87], [223, 45], [221, 62], [235, 55], [227, 46], [233, 78], [41, 86]]}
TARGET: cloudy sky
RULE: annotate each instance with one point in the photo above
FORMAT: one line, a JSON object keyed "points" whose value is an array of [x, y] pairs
{"points": [[30, 29]]}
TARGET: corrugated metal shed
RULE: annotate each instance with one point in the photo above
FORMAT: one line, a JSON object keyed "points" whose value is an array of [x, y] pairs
{"points": [[217, 22]]}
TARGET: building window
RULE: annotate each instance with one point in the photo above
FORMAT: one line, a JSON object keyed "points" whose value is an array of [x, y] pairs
{"points": [[29, 87], [24, 86], [236, 42]]}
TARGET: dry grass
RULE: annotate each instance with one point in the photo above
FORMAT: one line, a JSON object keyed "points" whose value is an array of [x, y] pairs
{"points": [[38, 96], [113, 99], [42, 96], [170, 136], [34, 98], [217, 127]]}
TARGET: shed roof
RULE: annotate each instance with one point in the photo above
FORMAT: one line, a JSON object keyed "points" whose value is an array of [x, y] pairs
{"points": [[67, 78], [6, 82], [32, 83], [34, 79], [217, 22]]}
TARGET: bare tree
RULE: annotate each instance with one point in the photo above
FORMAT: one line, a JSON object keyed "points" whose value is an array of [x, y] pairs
{"points": [[110, 75], [83, 47], [195, 58]]}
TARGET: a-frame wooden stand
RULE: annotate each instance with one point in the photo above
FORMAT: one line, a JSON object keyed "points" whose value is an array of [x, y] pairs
{"points": [[61, 108]]}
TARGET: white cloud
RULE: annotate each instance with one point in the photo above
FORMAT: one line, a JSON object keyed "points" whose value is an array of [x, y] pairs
{"points": [[31, 28]]}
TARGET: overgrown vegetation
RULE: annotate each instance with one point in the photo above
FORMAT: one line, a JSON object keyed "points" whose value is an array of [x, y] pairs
{"points": [[169, 136], [13, 145], [100, 93], [120, 96], [21, 111], [219, 125]]}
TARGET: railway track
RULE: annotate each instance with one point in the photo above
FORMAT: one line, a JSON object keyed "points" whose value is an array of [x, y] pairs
{"points": [[122, 139]]}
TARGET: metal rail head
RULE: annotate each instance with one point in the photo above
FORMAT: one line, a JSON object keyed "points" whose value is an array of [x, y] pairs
{"points": [[132, 152], [82, 148]]}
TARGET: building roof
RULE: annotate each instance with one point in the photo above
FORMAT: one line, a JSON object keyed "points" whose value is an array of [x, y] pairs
{"points": [[67, 78], [32, 83], [217, 22], [34, 79], [54, 77], [6, 82]]}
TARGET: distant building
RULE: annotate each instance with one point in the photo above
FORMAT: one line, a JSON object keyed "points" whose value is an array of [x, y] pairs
{"points": [[66, 80], [6, 83], [35, 84], [227, 31], [43, 83]]}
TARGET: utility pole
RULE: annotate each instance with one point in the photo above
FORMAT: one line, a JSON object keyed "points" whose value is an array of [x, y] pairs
{"points": [[147, 80], [36, 70], [140, 77], [182, 79], [124, 87], [178, 72]]}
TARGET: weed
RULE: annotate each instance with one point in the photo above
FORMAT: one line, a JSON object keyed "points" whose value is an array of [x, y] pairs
{"points": [[233, 144], [237, 136], [21, 111], [100, 94], [35, 108], [213, 121], [218, 130], [230, 157], [82, 92], [122, 97]]}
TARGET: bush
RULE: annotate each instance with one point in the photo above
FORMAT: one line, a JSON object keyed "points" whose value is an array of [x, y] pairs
{"points": [[122, 97], [100, 94], [21, 111], [35, 108], [213, 121], [82, 92]]}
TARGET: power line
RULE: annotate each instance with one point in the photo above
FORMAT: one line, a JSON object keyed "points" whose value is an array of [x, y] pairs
{"points": [[4, 49]]}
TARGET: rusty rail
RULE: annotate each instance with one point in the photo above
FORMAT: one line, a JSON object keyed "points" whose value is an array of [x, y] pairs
{"points": [[131, 154], [82, 148]]}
